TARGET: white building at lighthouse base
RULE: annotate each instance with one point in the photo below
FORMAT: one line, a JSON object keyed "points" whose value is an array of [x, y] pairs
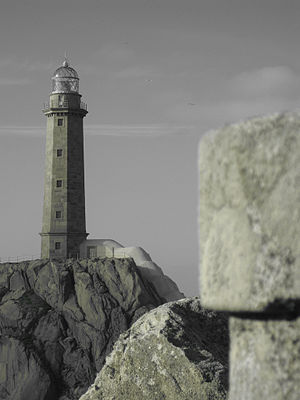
{"points": [[108, 248]]}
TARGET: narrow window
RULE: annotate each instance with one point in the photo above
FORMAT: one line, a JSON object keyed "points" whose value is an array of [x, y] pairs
{"points": [[58, 214], [60, 122], [59, 183], [57, 245], [59, 153]]}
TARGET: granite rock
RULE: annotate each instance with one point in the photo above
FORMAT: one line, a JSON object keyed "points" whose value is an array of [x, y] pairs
{"points": [[176, 352], [22, 374], [249, 215], [264, 359], [59, 320]]}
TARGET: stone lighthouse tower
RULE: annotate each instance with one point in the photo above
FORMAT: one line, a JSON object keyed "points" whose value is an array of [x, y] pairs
{"points": [[64, 225]]}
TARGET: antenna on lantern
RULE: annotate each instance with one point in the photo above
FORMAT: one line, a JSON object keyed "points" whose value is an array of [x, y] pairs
{"points": [[66, 61]]}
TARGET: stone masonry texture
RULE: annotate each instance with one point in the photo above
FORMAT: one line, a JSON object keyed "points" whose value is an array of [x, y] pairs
{"points": [[68, 199], [264, 359], [249, 231], [249, 215]]}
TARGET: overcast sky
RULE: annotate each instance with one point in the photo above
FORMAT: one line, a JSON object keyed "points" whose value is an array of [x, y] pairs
{"points": [[156, 75]]}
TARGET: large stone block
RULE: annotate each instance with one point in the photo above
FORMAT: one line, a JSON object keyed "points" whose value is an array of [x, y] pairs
{"points": [[264, 359], [174, 352], [249, 214]]}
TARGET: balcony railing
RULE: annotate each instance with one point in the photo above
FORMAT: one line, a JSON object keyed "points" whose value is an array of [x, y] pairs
{"points": [[64, 104]]}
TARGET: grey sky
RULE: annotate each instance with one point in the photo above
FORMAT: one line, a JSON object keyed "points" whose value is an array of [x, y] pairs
{"points": [[156, 74]]}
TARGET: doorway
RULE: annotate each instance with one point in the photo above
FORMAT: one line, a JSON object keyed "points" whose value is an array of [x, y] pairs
{"points": [[92, 251]]}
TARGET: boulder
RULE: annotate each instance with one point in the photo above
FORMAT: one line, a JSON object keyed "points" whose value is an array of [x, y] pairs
{"points": [[177, 351], [59, 320]]}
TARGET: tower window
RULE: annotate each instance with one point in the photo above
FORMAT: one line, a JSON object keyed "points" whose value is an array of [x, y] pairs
{"points": [[57, 245], [60, 122], [59, 183], [58, 214], [59, 153]]}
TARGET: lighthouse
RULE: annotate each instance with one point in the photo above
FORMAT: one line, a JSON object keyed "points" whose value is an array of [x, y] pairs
{"points": [[64, 225]]}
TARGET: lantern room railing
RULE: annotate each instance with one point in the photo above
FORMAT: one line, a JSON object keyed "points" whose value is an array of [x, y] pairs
{"points": [[64, 104]]}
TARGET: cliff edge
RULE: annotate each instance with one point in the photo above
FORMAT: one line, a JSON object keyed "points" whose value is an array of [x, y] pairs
{"points": [[59, 320]]}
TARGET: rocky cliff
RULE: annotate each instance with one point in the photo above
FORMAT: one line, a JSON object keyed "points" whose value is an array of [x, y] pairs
{"points": [[146, 266], [59, 320], [178, 351]]}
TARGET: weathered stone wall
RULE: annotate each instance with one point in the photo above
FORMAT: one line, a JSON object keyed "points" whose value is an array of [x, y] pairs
{"points": [[249, 226], [75, 176]]}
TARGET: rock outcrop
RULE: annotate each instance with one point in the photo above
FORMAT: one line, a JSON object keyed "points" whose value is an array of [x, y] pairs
{"points": [[59, 320], [149, 270], [164, 285], [176, 352]]}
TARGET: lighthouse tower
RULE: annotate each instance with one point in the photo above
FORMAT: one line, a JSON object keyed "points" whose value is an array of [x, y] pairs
{"points": [[64, 225]]}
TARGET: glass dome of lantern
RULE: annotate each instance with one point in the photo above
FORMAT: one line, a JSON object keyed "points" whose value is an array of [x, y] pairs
{"points": [[65, 79]]}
